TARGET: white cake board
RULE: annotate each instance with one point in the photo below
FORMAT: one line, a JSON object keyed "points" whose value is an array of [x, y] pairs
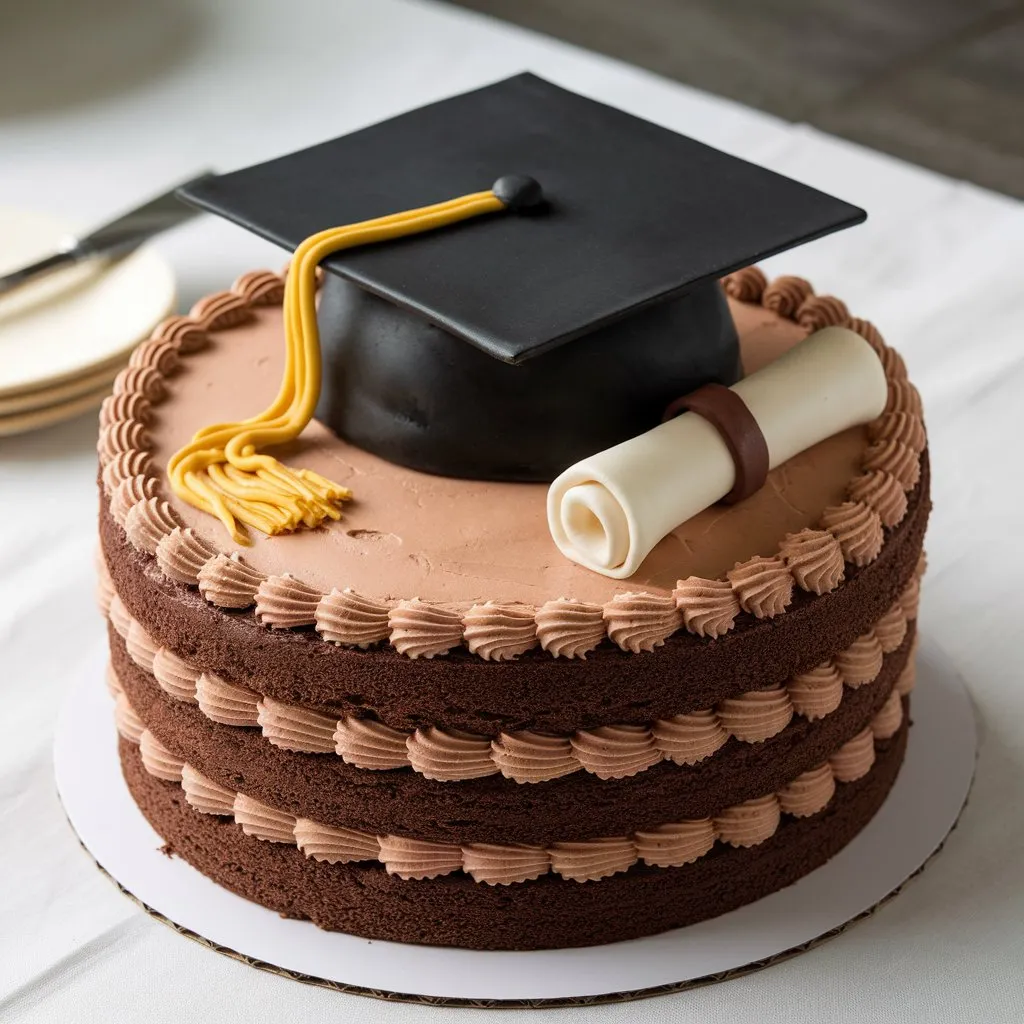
{"points": [[921, 809]]}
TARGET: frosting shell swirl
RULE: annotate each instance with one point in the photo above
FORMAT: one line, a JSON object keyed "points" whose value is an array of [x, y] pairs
{"points": [[205, 795], [128, 724], [449, 755], [808, 793], [123, 466], [283, 602], [857, 528], [421, 630], [418, 858], [749, 823], [225, 702], [346, 617], [227, 582], [854, 759], [896, 459], [174, 676], [815, 560], [689, 739], [181, 555], [889, 718], [220, 310], [746, 285], [183, 332], [907, 679], [882, 492], [786, 294], [709, 607], [816, 693], [763, 586], [891, 629], [569, 629], [819, 311], [495, 864], [334, 845], [533, 757], [291, 727], [129, 493], [902, 427], [158, 760], [366, 743], [754, 717], [141, 647], [500, 632], [640, 621], [119, 617], [143, 380], [148, 522], [125, 405], [672, 846], [592, 859], [263, 822], [615, 751], [861, 662]]}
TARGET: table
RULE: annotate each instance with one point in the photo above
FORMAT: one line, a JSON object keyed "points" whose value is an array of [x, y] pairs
{"points": [[938, 267]]}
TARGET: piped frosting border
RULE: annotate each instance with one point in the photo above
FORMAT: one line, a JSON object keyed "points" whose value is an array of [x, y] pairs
{"points": [[813, 560], [447, 755], [670, 845]]}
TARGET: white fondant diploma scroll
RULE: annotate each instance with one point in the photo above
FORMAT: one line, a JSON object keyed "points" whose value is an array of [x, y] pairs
{"points": [[608, 511]]}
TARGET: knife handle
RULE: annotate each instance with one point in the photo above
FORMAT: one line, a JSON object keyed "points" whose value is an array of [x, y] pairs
{"points": [[46, 265]]}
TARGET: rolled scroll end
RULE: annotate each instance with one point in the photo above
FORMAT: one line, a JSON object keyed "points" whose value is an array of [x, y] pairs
{"points": [[591, 527]]}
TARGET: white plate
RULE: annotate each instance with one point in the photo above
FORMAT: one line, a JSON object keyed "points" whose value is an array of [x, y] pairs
{"points": [[60, 394], [922, 807], [48, 415], [78, 319]]}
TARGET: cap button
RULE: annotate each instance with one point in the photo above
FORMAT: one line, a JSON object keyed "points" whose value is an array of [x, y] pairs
{"points": [[518, 191]]}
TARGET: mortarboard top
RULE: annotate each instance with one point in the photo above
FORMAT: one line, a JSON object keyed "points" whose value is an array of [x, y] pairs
{"points": [[634, 213]]}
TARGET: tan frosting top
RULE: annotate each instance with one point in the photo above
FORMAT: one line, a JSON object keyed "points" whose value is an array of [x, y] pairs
{"points": [[432, 554], [481, 541], [673, 843], [448, 755]]}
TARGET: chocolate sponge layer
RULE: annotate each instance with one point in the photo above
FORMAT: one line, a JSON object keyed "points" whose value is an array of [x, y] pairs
{"points": [[495, 809], [536, 691], [549, 912]]}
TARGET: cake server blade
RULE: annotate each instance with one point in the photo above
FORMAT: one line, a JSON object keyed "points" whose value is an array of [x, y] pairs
{"points": [[115, 238]]}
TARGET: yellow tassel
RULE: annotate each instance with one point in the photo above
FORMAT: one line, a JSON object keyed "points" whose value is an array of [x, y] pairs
{"points": [[222, 470]]}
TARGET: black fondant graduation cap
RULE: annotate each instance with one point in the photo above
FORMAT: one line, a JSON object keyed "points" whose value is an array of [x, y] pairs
{"points": [[620, 260]]}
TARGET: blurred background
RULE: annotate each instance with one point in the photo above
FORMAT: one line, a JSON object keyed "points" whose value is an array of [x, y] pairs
{"points": [[937, 82]]}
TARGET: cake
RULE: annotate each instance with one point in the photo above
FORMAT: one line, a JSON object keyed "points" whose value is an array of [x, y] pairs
{"points": [[421, 721]]}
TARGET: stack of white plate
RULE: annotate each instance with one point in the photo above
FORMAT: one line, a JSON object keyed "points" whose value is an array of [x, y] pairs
{"points": [[64, 338]]}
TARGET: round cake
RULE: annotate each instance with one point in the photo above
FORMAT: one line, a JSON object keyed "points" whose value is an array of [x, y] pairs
{"points": [[422, 723]]}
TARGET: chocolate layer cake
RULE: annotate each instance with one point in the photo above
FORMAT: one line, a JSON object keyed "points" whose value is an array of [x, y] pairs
{"points": [[416, 715], [585, 750]]}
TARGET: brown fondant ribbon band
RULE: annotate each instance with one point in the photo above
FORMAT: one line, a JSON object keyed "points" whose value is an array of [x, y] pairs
{"points": [[729, 415]]}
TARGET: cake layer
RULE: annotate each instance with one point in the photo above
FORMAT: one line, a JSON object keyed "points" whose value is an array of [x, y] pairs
{"points": [[611, 752], [550, 911], [537, 691], [495, 809]]}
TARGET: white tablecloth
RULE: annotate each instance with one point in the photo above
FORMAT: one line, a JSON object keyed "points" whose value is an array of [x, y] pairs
{"points": [[938, 267]]}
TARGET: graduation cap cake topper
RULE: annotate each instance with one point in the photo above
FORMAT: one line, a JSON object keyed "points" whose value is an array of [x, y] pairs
{"points": [[496, 347]]}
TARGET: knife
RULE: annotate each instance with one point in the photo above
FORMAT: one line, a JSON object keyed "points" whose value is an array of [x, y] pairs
{"points": [[116, 238]]}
